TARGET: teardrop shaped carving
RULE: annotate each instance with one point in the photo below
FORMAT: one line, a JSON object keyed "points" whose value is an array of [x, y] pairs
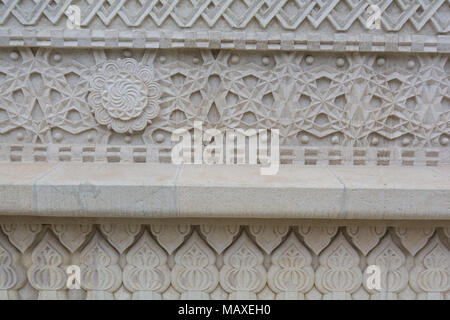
{"points": [[72, 236], [317, 237], [170, 237], [47, 272], [291, 274], [365, 238], [338, 274], [195, 273], [100, 272], [12, 275], [146, 273], [219, 236], [121, 236], [431, 274], [21, 235], [268, 236], [391, 261], [243, 273]]}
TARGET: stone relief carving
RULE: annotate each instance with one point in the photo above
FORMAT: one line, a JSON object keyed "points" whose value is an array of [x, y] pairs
{"points": [[317, 238], [338, 274], [47, 274], [296, 269], [431, 275], [287, 14], [291, 274], [339, 94], [394, 275], [414, 238], [243, 274], [268, 237], [12, 275], [146, 273], [170, 236], [366, 237], [334, 109], [100, 272], [72, 236], [120, 236], [219, 236], [123, 95], [21, 235], [195, 273]]}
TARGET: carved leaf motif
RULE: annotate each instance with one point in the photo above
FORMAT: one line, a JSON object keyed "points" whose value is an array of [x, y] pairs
{"points": [[72, 236], [12, 275], [99, 266], [431, 273], [339, 270], [49, 259], [291, 271], [146, 269], [243, 270], [317, 238], [366, 238], [268, 236], [219, 236], [195, 269], [21, 235], [121, 236], [391, 260], [170, 236], [414, 238]]}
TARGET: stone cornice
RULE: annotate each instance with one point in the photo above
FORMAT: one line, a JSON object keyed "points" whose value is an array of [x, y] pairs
{"points": [[201, 191]]}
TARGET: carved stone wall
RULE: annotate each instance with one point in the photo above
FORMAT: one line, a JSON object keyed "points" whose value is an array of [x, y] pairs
{"points": [[330, 108], [113, 84], [301, 260]]}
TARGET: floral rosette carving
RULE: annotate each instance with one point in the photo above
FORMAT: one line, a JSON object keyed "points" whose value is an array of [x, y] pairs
{"points": [[124, 96]]}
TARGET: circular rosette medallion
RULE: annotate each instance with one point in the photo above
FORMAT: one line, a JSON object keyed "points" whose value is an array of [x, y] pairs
{"points": [[123, 95]]}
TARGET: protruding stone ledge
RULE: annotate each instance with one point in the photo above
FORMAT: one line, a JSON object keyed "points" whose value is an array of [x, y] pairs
{"points": [[169, 191]]}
